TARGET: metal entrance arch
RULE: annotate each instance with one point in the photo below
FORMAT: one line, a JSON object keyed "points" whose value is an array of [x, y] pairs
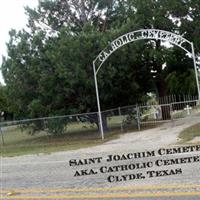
{"points": [[142, 34]]}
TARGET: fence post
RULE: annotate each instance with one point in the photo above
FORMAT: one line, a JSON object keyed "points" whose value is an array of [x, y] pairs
{"points": [[171, 110], [121, 124], [119, 110], [2, 138], [138, 116]]}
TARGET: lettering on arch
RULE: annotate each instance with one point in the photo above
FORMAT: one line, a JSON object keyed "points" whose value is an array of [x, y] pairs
{"points": [[141, 35]]}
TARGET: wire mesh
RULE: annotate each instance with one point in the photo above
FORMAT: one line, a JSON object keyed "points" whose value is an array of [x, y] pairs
{"points": [[40, 131]]}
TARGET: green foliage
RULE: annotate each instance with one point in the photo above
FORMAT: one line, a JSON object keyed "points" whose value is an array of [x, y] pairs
{"points": [[56, 127], [52, 127], [36, 109], [175, 83], [3, 99], [32, 127], [49, 72], [190, 133]]}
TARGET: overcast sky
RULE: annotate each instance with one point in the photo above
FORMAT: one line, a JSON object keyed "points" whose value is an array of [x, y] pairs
{"points": [[12, 15]]}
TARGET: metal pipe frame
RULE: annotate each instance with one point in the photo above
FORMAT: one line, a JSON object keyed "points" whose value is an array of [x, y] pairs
{"points": [[98, 67]]}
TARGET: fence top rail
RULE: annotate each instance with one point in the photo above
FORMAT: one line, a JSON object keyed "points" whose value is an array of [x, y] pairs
{"points": [[152, 105], [123, 107], [179, 102], [45, 118], [92, 113]]}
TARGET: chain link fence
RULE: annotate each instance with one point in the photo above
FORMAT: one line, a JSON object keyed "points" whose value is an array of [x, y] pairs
{"points": [[39, 132]]}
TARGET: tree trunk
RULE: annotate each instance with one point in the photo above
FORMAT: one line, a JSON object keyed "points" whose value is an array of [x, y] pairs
{"points": [[104, 122], [161, 86], [94, 118]]}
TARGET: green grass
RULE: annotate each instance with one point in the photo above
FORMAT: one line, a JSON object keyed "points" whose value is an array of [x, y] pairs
{"points": [[179, 114], [115, 120], [190, 133], [78, 135], [18, 142], [47, 148]]}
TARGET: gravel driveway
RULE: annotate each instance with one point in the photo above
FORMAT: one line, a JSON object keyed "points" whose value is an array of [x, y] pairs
{"points": [[53, 170]]}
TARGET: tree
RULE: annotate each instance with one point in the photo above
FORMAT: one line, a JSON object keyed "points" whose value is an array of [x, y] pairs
{"points": [[3, 100], [21, 70], [51, 63], [5, 112], [73, 14], [130, 15], [180, 77]]}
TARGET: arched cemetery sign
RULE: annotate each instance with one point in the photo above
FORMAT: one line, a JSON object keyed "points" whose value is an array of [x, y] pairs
{"points": [[142, 34]]}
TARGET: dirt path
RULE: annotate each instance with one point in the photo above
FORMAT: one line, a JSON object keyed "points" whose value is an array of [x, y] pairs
{"points": [[162, 136], [53, 170]]}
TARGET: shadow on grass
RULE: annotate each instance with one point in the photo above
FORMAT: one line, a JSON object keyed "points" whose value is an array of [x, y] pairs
{"points": [[190, 133], [18, 142]]}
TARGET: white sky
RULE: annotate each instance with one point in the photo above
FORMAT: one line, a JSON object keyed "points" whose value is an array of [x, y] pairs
{"points": [[12, 15]]}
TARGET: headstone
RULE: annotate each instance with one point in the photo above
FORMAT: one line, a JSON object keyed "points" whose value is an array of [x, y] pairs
{"points": [[188, 108]]}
